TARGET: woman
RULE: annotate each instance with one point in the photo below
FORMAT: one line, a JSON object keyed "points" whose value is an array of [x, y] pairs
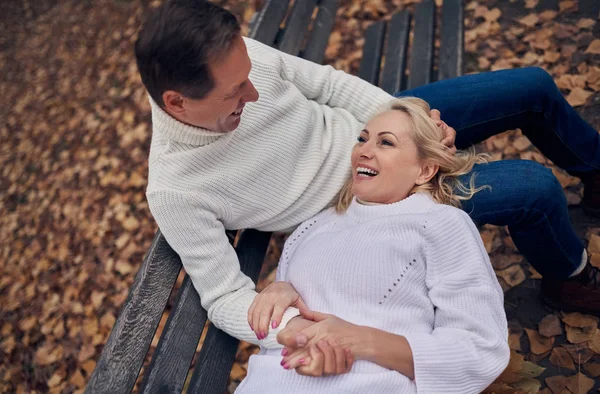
{"points": [[400, 276]]}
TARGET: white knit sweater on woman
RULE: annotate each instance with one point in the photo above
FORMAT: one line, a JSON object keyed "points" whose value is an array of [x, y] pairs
{"points": [[414, 268], [285, 162]]}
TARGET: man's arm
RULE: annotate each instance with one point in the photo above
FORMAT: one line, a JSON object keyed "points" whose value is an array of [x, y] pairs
{"points": [[198, 236], [322, 84]]}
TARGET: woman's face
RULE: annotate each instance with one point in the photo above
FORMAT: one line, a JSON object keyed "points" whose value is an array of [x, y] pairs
{"points": [[385, 161]]}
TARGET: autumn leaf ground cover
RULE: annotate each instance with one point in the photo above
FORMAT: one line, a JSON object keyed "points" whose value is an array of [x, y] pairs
{"points": [[74, 139]]}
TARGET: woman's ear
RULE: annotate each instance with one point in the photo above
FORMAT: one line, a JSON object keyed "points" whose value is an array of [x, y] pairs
{"points": [[428, 171]]}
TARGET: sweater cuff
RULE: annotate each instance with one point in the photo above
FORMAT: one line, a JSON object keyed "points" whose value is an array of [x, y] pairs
{"points": [[270, 342]]}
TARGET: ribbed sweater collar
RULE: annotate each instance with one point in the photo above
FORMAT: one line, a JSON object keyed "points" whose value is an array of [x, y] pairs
{"points": [[179, 131], [415, 203]]}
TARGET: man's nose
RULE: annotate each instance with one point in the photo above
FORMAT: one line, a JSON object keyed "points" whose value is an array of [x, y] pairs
{"points": [[250, 93]]}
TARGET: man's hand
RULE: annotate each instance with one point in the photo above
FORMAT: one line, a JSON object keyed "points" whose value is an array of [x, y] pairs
{"points": [[269, 306], [449, 132]]}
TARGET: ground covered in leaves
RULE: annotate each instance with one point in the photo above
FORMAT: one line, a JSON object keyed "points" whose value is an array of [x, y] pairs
{"points": [[74, 139]]}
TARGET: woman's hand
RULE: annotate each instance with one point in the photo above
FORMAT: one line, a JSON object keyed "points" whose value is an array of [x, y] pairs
{"points": [[326, 358], [449, 132], [269, 306], [329, 331]]}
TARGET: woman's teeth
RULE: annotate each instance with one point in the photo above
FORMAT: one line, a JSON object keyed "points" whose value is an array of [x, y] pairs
{"points": [[239, 111], [366, 171]]}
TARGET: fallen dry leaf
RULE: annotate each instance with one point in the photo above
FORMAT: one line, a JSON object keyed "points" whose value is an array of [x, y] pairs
{"points": [[580, 384], [561, 358], [578, 97], [550, 326], [577, 319], [592, 369], [578, 335], [539, 344], [585, 23], [594, 47], [513, 275]]}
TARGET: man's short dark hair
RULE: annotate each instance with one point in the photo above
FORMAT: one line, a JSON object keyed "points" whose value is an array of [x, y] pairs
{"points": [[176, 44]]}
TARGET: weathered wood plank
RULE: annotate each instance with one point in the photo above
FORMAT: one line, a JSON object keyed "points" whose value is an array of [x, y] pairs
{"points": [[172, 358], [319, 35], [218, 350], [372, 52], [392, 79], [124, 352], [297, 26], [421, 62], [267, 23], [450, 62]]}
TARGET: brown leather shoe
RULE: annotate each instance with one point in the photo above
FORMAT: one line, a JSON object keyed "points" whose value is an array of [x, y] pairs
{"points": [[578, 294], [591, 194]]}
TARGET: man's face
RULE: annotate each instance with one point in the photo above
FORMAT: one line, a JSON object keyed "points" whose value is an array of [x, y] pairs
{"points": [[222, 108]]}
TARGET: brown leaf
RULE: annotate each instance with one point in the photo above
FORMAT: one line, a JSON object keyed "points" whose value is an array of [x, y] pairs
{"points": [[585, 23], [237, 372], [579, 335], [550, 326], [88, 366], [86, 352], [594, 243], [595, 259], [594, 47], [521, 143], [528, 385], [567, 5], [539, 344], [56, 379], [492, 15], [557, 383], [580, 384], [123, 267], [28, 323], [548, 15], [578, 96], [48, 354], [97, 298], [512, 275], [519, 369], [551, 57], [131, 223], [561, 358], [502, 261], [514, 341], [595, 342], [529, 4], [530, 20], [592, 369], [577, 319], [580, 353], [77, 379]]}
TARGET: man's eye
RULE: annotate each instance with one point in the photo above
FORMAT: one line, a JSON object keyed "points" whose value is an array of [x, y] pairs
{"points": [[361, 139]]}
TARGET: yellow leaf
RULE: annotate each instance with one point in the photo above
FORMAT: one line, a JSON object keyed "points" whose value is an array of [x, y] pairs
{"points": [[131, 223], [578, 96]]}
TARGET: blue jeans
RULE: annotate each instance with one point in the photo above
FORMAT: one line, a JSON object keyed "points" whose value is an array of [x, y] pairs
{"points": [[524, 195]]}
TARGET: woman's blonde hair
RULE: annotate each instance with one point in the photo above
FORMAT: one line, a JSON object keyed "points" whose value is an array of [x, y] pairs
{"points": [[444, 187]]}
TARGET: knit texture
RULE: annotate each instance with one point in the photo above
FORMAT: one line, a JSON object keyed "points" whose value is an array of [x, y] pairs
{"points": [[285, 162], [414, 268]]}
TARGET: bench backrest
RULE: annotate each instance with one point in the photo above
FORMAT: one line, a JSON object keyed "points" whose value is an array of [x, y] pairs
{"points": [[125, 351]]}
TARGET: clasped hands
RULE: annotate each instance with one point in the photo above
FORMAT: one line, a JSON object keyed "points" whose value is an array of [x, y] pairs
{"points": [[315, 344]]}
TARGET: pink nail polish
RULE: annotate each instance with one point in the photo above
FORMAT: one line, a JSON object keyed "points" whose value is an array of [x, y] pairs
{"points": [[273, 324], [284, 352], [286, 366], [263, 334], [282, 362], [301, 361]]}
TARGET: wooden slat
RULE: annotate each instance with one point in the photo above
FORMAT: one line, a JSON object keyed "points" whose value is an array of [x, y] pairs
{"points": [[124, 352], [171, 360], [392, 79], [267, 23], [319, 35], [297, 26], [372, 51], [218, 350], [421, 62], [452, 40]]}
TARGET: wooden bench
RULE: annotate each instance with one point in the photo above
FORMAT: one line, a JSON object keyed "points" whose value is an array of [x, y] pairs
{"points": [[127, 346]]}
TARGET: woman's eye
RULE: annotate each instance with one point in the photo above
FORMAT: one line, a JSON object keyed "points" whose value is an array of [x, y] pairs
{"points": [[387, 142], [361, 139]]}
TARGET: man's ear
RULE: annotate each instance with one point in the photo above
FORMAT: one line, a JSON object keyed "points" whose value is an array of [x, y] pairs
{"points": [[173, 102], [428, 171]]}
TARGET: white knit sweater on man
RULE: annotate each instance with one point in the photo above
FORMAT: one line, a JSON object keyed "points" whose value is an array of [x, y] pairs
{"points": [[414, 268], [285, 162]]}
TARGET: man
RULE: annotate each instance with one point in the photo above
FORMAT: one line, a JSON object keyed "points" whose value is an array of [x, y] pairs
{"points": [[245, 136]]}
